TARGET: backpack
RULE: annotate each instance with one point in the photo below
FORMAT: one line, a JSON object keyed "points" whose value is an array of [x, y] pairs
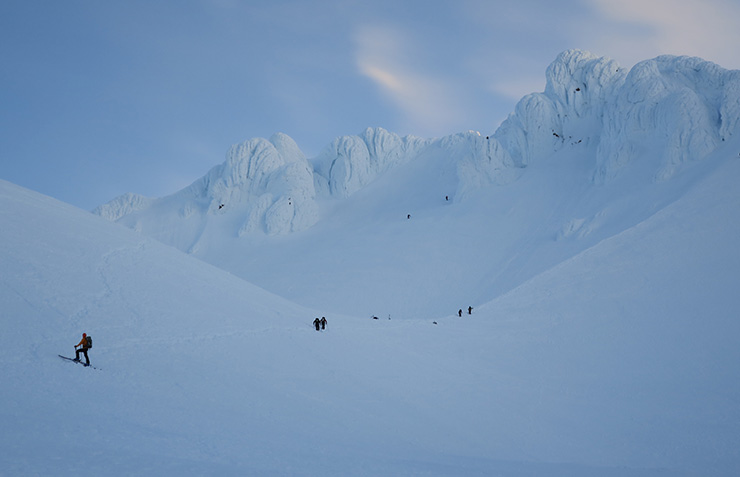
{"points": [[89, 341]]}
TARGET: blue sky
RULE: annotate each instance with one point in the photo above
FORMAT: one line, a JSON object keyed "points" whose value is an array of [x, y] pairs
{"points": [[102, 97]]}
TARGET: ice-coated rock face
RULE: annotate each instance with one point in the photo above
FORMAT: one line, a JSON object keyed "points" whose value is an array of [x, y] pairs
{"points": [[531, 131], [265, 186], [122, 205], [663, 113], [729, 108], [670, 110], [677, 107], [351, 162], [269, 182], [577, 88], [479, 161], [579, 83], [256, 167]]}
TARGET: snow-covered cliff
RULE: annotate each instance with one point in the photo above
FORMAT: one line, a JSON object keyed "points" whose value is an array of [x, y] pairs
{"points": [[351, 162], [669, 110], [264, 185], [123, 205], [269, 183], [676, 108], [663, 113]]}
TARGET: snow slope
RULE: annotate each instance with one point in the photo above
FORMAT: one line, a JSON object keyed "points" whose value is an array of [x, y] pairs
{"points": [[619, 361], [603, 340], [600, 150]]}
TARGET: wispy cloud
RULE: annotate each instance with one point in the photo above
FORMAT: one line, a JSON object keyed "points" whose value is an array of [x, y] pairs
{"points": [[707, 29], [389, 58]]}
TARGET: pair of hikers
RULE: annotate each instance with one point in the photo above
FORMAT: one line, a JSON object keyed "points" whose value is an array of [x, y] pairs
{"points": [[320, 324], [470, 311], [82, 347]]}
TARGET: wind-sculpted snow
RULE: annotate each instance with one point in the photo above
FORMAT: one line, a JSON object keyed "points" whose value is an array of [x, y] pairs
{"points": [[579, 83], [661, 115], [578, 87], [729, 108], [670, 110], [602, 339], [264, 186], [481, 161], [603, 329], [122, 205], [351, 162], [268, 182]]}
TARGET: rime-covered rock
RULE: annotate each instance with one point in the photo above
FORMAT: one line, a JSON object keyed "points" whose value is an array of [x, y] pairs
{"points": [[662, 114], [351, 162], [677, 108], [123, 205], [264, 186], [577, 90]]}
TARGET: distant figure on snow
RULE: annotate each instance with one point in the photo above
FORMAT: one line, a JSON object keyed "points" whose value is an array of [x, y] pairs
{"points": [[447, 197], [323, 322], [408, 216], [317, 323], [459, 312], [470, 310], [82, 347]]}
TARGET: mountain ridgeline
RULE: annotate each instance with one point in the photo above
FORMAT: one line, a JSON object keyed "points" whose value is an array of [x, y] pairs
{"points": [[558, 298], [663, 113]]}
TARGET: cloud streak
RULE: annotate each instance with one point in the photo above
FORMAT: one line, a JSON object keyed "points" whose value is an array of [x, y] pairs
{"points": [[707, 29], [387, 57]]}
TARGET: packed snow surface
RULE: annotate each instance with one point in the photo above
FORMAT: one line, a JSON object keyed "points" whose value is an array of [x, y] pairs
{"points": [[594, 235]]}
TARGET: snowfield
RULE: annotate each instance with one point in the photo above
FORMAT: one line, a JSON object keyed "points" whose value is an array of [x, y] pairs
{"points": [[604, 337]]}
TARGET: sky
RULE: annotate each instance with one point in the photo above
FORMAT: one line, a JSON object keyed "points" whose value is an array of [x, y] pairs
{"points": [[99, 98]]}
